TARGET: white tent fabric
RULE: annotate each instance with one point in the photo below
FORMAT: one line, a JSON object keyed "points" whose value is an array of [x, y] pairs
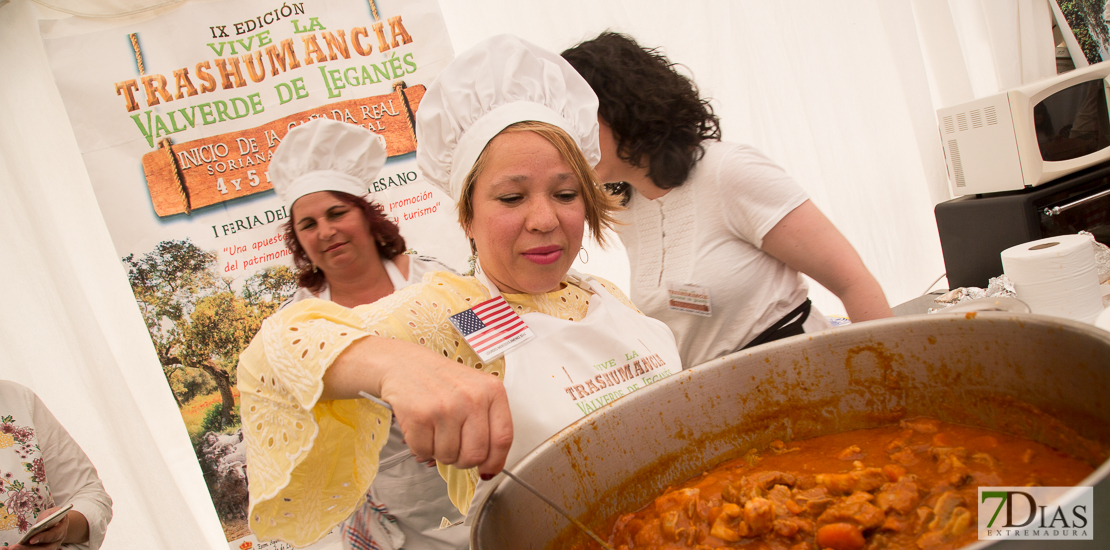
{"points": [[842, 94]]}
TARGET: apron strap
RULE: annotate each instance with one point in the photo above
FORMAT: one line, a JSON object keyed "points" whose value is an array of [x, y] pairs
{"points": [[585, 282], [789, 325], [394, 273], [480, 274]]}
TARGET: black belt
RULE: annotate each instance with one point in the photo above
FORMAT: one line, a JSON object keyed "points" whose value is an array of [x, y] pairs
{"points": [[789, 325]]}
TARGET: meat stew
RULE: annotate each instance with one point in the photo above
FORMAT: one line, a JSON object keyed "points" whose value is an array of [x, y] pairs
{"points": [[907, 486]]}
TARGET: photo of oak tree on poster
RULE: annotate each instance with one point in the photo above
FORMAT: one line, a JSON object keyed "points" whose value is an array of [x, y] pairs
{"points": [[177, 114], [199, 324]]}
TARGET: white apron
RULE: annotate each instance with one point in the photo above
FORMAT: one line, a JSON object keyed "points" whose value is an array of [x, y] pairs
{"points": [[572, 368]]}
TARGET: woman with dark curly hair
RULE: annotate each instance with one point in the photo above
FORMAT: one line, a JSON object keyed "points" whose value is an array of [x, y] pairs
{"points": [[716, 233]]}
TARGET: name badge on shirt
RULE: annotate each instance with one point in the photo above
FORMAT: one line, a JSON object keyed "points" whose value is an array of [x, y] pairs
{"points": [[690, 299], [491, 328]]}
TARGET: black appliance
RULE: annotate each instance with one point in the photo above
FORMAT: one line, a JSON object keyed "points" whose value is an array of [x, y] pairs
{"points": [[975, 229]]}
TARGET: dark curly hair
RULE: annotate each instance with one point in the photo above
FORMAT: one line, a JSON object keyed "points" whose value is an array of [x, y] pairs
{"points": [[387, 237], [652, 109]]}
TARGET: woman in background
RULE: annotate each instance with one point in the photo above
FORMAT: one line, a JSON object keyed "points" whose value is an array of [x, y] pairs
{"points": [[41, 469], [716, 233], [344, 247], [346, 251]]}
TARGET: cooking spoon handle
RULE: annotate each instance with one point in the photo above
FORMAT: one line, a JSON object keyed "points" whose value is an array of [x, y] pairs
{"points": [[559, 509]]}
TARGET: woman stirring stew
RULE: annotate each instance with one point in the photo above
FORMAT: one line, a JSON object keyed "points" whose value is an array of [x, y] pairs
{"points": [[510, 131]]}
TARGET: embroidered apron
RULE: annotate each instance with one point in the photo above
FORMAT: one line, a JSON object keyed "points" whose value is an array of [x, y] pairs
{"points": [[572, 368]]}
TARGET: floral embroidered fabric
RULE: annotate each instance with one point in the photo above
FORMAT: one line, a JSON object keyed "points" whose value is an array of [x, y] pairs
{"points": [[23, 489]]}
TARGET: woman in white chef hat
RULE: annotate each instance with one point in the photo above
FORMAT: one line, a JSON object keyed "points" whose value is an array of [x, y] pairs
{"points": [[347, 251], [510, 131], [344, 247]]}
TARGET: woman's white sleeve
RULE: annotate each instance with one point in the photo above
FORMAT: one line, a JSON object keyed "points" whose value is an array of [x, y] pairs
{"points": [[71, 476]]}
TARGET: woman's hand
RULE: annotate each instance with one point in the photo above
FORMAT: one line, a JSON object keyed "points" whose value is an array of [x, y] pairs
{"points": [[452, 413], [448, 411], [60, 533], [51, 538]]}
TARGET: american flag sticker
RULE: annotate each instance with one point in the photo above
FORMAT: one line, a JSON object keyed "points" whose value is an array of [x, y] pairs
{"points": [[491, 328]]}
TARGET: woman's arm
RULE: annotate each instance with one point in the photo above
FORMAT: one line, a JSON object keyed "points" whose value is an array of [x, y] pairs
{"points": [[808, 242], [73, 479], [448, 411], [77, 528], [313, 442]]}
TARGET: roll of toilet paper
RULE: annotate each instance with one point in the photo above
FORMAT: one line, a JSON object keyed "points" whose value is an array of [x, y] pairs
{"points": [[1056, 276], [1103, 320]]}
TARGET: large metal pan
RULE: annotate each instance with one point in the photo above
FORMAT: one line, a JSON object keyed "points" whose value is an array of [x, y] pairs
{"points": [[1044, 378]]}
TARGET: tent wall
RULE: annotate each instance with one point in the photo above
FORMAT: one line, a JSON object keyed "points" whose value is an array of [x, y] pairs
{"points": [[842, 94]]}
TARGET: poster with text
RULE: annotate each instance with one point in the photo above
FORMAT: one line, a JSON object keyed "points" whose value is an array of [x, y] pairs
{"points": [[177, 114]]}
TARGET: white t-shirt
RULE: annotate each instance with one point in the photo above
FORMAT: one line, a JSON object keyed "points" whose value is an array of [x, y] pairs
{"points": [[708, 233]]}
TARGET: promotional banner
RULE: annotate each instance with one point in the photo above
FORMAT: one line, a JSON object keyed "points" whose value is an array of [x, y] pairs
{"points": [[177, 115]]}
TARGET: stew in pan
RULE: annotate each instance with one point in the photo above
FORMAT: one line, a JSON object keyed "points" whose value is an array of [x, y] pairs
{"points": [[907, 486]]}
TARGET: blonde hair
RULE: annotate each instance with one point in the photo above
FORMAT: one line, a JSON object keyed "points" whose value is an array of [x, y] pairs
{"points": [[600, 206]]}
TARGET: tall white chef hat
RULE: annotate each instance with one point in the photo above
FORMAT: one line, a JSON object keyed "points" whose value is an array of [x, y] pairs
{"points": [[500, 81], [326, 155]]}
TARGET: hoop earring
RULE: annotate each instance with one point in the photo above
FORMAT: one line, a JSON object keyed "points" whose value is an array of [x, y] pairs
{"points": [[583, 251]]}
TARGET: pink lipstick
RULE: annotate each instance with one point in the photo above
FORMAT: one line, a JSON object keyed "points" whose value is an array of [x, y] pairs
{"points": [[544, 255]]}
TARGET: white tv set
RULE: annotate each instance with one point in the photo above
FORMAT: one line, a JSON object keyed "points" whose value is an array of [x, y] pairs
{"points": [[1028, 135]]}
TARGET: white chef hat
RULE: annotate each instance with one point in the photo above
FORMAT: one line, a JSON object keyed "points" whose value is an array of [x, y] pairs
{"points": [[326, 155], [500, 81]]}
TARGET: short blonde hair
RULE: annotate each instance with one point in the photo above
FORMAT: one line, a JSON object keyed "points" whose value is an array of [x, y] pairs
{"points": [[600, 206]]}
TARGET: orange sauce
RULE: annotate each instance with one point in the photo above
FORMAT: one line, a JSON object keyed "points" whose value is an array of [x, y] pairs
{"points": [[912, 485]]}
